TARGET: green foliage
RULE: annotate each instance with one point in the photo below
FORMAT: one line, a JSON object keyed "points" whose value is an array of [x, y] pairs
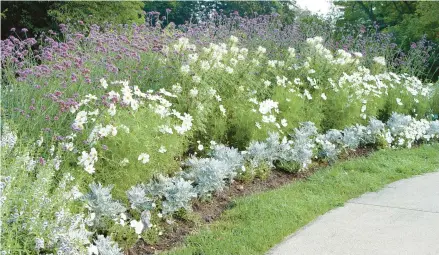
{"points": [[409, 20], [124, 12]]}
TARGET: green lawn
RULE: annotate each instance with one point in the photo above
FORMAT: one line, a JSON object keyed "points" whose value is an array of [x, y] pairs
{"points": [[260, 221]]}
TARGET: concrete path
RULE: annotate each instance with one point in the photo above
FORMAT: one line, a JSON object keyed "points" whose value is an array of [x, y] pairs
{"points": [[402, 218]]}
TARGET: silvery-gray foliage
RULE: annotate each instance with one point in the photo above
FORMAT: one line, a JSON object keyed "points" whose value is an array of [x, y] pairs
{"points": [[265, 153], [303, 143], [334, 136], [230, 156], [374, 129], [178, 194], [433, 130], [99, 200], [208, 174], [106, 246], [8, 138], [138, 198], [258, 153], [397, 123], [352, 137], [329, 151]]}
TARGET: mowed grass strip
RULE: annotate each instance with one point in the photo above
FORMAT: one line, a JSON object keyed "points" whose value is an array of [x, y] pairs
{"points": [[260, 221]]}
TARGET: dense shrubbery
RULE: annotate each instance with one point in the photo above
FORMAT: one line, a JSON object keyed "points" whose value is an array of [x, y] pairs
{"points": [[115, 131]]}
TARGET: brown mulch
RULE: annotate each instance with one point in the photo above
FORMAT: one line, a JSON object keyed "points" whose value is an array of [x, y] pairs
{"points": [[209, 211]]}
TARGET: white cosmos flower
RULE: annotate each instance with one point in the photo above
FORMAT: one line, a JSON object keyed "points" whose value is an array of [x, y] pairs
{"points": [[163, 148], [124, 162], [284, 122], [358, 54], [104, 83], [196, 79], [399, 102], [112, 109], [307, 94], [292, 52], [222, 109], [204, 65], [185, 69], [138, 226], [193, 92], [144, 158], [267, 83], [380, 60], [363, 108], [261, 50], [93, 250], [258, 125], [234, 39], [323, 96]]}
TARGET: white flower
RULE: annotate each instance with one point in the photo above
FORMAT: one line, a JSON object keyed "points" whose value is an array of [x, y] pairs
{"points": [[222, 110], [268, 118], [80, 120], [93, 250], [193, 92], [124, 162], [267, 83], [177, 88], [162, 148], [323, 96], [112, 109], [138, 226], [272, 63], [125, 128], [258, 125], [363, 108], [104, 83], [144, 158], [380, 60], [399, 102], [358, 54], [284, 122], [165, 129], [307, 94], [292, 52], [185, 69], [234, 39], [229, 69], [266, 106], [67, 146], [261, 50], [40, 141], [193, 57], [196, 79], [200, 147], [87, 160], [205, 65]]}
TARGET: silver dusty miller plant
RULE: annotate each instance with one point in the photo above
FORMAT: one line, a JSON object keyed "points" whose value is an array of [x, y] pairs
{"points": [[99, 201]]}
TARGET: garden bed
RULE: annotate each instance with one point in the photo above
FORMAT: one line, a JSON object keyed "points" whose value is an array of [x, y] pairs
{"points": [[207, 212]]}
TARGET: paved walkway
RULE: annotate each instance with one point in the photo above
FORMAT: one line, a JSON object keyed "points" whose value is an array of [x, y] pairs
{"points": [[402, 218]]}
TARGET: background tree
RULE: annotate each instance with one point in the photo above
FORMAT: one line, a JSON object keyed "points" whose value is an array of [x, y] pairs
{"points": [[40, 16]]}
